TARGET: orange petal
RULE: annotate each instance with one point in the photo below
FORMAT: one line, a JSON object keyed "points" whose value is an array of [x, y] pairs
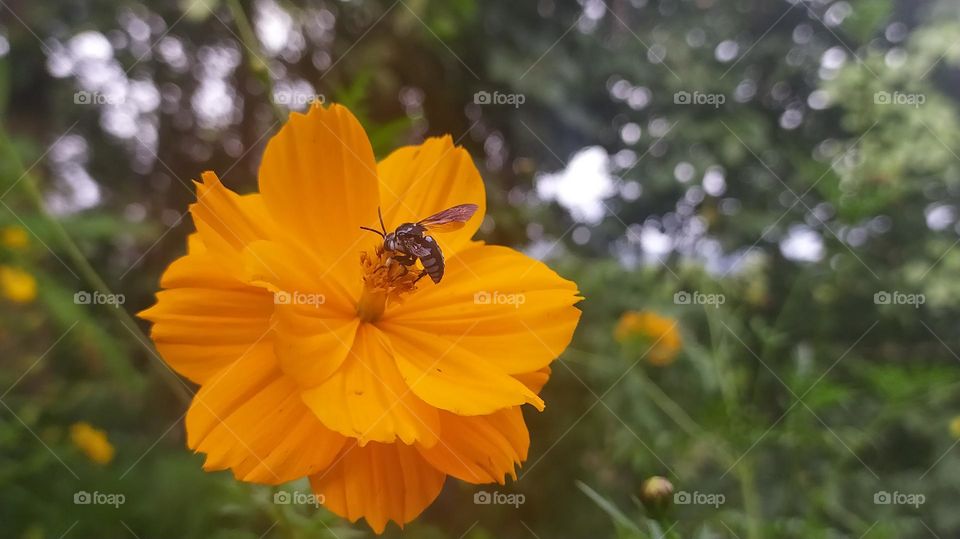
{"points": [[535, 380], [207, 319], [367, 398], [379, 482], [315, 317], [319, 182], [453, 377], [311, 344], [195, 242], [227, 222], [249, 418], [419, 181], [297, 278], [480, 449], [514, 309], [198, 269]]}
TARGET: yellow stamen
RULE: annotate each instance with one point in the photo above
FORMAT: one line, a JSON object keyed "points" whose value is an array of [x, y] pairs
{"points": [[384, 280]]}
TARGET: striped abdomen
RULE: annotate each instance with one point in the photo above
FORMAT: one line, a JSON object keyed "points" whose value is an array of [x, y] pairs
{"points": [[433, 263]]}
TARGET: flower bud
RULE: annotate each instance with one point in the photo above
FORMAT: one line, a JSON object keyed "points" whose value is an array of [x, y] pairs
{"points": [[656, 493]]}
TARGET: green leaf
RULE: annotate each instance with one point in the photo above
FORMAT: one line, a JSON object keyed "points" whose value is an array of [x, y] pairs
{"points": [[608, 507]]}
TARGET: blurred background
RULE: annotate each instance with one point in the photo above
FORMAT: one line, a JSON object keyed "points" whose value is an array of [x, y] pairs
{"points": [[758, 199]]}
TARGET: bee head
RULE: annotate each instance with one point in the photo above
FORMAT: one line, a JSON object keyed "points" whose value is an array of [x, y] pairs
{"points": [[390, 241]]}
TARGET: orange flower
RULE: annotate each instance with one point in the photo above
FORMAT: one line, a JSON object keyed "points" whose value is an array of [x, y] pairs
{"points": [[318, 355], [651, 330]]}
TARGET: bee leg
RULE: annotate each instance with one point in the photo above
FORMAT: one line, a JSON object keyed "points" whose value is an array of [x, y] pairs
{"points": [[422, 274]]}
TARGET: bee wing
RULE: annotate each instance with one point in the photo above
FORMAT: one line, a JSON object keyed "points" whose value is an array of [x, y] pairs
{"points": [[449, 219], [413, 247]]}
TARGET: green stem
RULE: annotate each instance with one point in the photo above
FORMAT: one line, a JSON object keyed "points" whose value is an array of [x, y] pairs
{"points": [[255, 60], [87, 272], [669, 406], [744, 471], [751, 499], [745, 475], [672, 410], [727, 389]]}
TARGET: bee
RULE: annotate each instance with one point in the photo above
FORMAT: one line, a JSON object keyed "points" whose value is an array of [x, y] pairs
{"points": [[410, 242]]}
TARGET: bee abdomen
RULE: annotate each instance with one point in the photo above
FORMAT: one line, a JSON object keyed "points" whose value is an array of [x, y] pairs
{"points": [[433, 265]]}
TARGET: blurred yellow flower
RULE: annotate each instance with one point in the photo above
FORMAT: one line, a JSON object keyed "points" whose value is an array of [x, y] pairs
{"points": [[955, 427], [17, 285], [92, 441], [13, 237], [658, 332]]}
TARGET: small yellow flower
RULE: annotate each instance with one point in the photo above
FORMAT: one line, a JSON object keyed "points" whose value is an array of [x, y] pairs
{"points": [[657, 332], [955, 427], [13, 237], [92, 441], [17, 285]]}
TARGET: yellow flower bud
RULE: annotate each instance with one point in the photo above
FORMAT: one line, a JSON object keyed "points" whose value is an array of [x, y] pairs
{"points": [[656, 493]]}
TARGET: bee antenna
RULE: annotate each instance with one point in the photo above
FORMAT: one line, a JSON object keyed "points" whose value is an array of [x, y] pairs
{"points": [[380, 215], [375, 231]]}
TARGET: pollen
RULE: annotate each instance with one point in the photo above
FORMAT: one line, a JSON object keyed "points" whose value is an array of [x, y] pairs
{"points": [[384, 281]]}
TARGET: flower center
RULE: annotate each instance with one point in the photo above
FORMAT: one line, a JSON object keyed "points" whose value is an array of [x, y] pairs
{"points": [[384, 280]]}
